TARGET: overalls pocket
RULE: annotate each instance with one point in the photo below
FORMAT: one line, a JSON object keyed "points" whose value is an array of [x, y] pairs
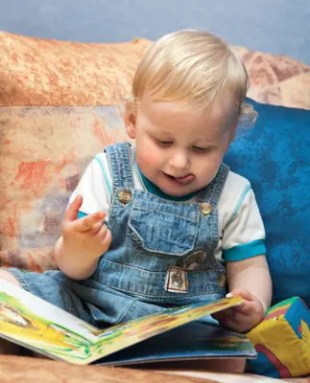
{"points": [[164, 227]]}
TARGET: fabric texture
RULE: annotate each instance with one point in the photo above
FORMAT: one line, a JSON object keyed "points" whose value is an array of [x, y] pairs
{"points": [[275, 157], [43, 155], [276, 80], [36, 71], [286, 324]]}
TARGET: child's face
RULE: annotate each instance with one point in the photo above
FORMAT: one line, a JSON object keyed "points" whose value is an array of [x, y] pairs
{"points": [[180, 148]]}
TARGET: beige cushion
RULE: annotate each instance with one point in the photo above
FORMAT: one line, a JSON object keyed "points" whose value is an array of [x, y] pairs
{"points": [[50, 72], [278, 80], [46, 149]]}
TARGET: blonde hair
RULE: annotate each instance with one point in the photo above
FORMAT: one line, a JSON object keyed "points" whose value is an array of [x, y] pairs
{"points": [[193, 66]]}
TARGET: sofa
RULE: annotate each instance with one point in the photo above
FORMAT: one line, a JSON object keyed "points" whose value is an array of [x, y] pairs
{"points": [[61, 103]]}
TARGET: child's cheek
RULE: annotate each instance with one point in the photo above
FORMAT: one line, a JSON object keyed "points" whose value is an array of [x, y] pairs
{"points": [[148, 160]]}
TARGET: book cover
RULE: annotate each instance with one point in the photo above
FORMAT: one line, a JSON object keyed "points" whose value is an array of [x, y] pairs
{"points": [[171, 334]]}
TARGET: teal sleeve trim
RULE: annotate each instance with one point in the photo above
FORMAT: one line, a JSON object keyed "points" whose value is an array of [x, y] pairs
{"points": [[105, 175], [245, 251], [81, 214]]}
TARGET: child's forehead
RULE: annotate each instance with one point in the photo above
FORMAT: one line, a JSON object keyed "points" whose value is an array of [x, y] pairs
{"points": [[167, 118], [221, 109]]}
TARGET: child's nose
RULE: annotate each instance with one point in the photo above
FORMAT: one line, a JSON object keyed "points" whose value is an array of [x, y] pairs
{"points": [[179, 160]]}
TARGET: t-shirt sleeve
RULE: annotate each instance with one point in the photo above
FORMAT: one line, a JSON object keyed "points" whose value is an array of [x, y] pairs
{"points": [[95, 187], [244, 234]]}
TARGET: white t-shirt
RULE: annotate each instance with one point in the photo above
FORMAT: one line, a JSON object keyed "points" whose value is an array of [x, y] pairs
{"points": [[241, 228]]}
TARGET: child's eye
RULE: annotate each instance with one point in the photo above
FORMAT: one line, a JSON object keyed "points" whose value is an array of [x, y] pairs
{"points": [[198, 149], [164, 143]]}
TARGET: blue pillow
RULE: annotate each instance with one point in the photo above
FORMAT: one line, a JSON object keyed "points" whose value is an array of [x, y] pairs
{"points": [[274, 156]]}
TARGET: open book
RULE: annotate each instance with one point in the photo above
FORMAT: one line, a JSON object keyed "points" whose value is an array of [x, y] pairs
{"points": [[172, 334]]}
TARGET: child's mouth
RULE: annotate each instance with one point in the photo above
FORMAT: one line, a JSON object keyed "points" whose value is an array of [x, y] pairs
{"points": [[184, 180]]}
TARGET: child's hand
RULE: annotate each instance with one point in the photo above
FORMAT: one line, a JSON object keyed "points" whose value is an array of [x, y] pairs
{"points": [[243, 317], [88, 236]]}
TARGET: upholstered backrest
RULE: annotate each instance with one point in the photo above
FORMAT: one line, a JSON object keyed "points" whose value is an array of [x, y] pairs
{"points": [[275, 157]]}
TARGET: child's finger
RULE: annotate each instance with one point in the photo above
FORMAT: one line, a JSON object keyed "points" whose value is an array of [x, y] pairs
{"points": [[88, 222], [249, 299], [73, 209], [246, 295], [245, 308], [226, 320], [105, 236], [231, 312], [97, 227]]}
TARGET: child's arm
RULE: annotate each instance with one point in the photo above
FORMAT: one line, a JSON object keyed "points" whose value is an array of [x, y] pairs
{"points": [[82, 242], [250, 279]]}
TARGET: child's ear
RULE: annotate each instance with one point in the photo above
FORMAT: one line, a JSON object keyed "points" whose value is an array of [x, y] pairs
{"points": [[130, 123]]}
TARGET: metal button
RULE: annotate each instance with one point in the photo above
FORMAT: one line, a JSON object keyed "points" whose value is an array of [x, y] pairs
{"points": [[205, 208], [124, 196]]}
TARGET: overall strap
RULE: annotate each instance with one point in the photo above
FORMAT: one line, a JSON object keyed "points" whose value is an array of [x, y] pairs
{"points": [[212, 192], [119, 158]]}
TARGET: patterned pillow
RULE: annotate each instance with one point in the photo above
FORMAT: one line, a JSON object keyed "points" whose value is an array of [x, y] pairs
{"points": [[277, 80], [275, 157], [37, 71], [44, 153], [44, 150]]}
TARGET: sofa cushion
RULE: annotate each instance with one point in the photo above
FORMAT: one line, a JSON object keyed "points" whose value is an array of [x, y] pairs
{"points": [[44, 152], [35, 71], [276, 79], [274, 155]]}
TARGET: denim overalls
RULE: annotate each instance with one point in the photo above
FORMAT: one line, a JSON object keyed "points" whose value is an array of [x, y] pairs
{"points": [[161, 255]]}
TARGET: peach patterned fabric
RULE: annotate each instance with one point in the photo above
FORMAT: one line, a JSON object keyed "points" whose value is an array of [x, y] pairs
{"points": [[277, 80], [44, 152], [36, 71]]}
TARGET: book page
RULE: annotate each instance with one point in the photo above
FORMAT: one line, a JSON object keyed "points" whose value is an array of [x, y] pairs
{"points": [[194, 340], [39, 325], [124, 335]]}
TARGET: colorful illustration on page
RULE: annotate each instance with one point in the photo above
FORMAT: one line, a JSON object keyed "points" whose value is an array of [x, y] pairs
{"points": [[18, 322], [124, 335]]}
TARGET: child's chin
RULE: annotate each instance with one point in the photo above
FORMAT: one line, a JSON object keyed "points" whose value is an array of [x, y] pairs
{"points": [[173, 192]]}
